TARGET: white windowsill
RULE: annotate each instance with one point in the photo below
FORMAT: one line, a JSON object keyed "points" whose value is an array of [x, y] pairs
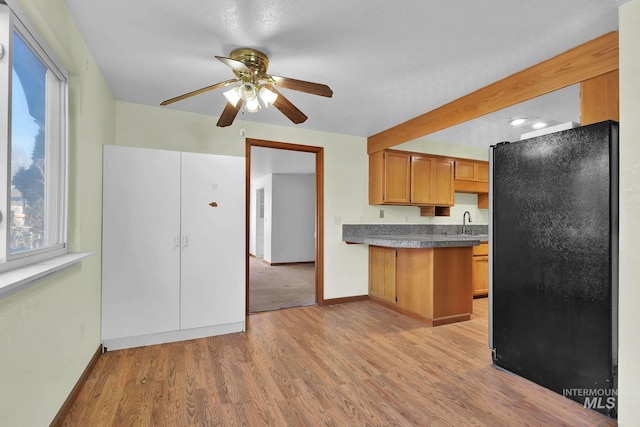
{"points": [[21, 277]]}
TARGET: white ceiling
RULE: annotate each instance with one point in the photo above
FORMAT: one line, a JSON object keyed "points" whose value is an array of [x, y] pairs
{"points": [[386, 61]]}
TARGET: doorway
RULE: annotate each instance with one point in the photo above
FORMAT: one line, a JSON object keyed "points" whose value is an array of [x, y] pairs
{"points": [[284, 197]]}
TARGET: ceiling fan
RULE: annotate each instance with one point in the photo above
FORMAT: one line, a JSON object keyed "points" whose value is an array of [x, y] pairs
{"points": [[252, 85]]}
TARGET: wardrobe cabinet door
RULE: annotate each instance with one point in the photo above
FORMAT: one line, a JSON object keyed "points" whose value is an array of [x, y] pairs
{"points": [[213, 240], [140, 251]]}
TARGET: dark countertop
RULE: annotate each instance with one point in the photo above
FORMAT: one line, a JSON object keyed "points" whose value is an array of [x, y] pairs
{"points": [[414, 236]]}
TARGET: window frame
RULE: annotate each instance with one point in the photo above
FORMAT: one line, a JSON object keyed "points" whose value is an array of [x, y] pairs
{"points": [[56, 137]]}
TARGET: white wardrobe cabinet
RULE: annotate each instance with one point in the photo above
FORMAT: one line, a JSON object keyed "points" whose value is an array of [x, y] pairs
{"points": [[173, 246]]}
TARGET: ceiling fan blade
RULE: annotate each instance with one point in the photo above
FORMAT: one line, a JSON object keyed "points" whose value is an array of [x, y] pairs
{"points": [[229, 114], [287, 108], [303, 86], [198, 92], [234, 64]]}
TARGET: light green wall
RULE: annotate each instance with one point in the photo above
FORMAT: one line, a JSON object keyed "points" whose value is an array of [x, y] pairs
{"points": [[50, 331], [629, 316], [345, 174]]}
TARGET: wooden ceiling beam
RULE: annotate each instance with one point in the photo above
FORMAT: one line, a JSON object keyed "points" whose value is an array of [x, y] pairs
{"points": [[583, 62]]}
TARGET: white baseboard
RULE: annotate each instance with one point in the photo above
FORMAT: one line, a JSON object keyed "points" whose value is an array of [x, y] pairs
{"points": [[172, 336]]}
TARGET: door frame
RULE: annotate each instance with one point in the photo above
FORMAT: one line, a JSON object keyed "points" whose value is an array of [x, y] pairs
{"points": [[319, 220]]}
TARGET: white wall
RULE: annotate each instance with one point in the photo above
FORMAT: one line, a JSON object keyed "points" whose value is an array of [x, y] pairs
{"points": [[289, 217], [252, 218], [293, 218], [260, 183], [629, 301]]}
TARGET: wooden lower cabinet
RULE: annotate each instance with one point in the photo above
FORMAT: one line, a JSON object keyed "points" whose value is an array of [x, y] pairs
{"points": [[430, 284], [382, 273], [481, 270]]}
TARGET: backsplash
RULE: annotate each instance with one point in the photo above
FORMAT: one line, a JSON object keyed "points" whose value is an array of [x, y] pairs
{"points": [[389, 214]]}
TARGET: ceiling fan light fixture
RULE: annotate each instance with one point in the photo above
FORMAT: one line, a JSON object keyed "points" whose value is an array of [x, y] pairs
{"points": [[252, 88], [247, 91], [267, 96], [252, 105], [232, 96]]}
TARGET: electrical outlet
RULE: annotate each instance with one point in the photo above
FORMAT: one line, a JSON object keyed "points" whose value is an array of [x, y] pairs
{"points": [[381, 213]]}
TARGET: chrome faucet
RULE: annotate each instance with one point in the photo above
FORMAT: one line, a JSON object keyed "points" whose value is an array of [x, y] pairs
{"points": [[465, 215]]}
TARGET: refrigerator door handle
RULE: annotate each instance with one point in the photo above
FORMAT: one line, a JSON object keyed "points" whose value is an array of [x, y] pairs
{"points": [[490, 302]]}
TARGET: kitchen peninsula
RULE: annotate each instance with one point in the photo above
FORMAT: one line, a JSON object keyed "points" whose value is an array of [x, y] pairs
{"points": [[421, 270]]}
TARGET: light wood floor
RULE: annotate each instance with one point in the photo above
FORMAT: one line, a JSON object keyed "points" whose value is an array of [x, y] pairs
{"points": [[351, 364]]}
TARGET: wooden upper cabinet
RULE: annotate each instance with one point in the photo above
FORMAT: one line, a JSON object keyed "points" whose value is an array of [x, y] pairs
{"points": [[422, 173], [389, 178], [405, 178], [443, 191], [465, 170], [470, 170], [431, 181], [472, 176], [397, 178], [483, 171]]}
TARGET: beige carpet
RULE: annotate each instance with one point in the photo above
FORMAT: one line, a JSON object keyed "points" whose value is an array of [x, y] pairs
{"points": [[280, 286]]}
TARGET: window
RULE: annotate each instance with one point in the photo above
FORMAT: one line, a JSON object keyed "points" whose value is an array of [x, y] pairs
{"points": [[33, 145]]}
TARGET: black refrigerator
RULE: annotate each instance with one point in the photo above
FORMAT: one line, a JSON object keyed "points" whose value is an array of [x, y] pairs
{"points": [[553, 289]]}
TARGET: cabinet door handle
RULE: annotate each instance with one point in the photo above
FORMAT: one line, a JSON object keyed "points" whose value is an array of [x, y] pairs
{"points": [[176, 241], [185, 241]]}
